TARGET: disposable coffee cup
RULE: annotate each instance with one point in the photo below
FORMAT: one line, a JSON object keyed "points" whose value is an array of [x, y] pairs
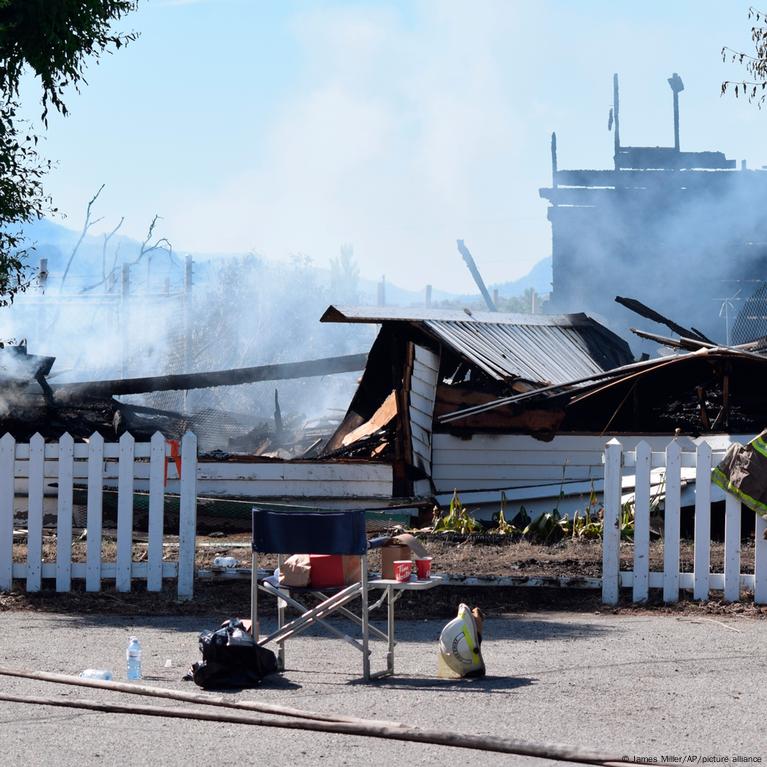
{"points": [[423, 568], [402, 570]]}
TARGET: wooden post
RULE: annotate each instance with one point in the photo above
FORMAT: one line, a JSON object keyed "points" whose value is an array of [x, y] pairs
{"points": [[42, 275], [41, 323], [382, 292], [611, 534], [554, 160], [123, 325], [187, 299]]}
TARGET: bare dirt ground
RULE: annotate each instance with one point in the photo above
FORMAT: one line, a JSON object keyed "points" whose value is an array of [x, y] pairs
{"points": [[455, 556]]}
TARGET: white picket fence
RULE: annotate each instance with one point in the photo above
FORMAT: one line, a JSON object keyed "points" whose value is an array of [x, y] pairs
{"points": [[643, 460], [47, 472]]}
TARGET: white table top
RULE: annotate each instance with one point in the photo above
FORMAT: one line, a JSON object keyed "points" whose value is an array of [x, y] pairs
{"points": [[410, 585]]}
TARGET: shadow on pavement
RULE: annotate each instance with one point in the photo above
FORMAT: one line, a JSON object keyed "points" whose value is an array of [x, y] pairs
{"points": [[488, 684]]}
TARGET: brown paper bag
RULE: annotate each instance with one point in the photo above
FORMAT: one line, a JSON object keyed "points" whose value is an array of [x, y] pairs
{"points": [[295, 571]]}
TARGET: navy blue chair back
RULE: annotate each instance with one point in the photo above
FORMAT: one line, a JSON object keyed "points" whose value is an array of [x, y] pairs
{"points": [[309, 532]]}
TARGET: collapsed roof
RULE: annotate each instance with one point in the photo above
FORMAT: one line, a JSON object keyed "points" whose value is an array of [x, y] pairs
{"points": [[435, 361], [539, 349], [709, 390]]}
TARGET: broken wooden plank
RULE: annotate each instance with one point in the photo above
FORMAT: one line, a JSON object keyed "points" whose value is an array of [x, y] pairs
{"points": [[186, 381]]}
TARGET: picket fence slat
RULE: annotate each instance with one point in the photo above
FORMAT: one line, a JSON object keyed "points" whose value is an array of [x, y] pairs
{"points": [[702, 553], [35, 514], [156, 511], [671, 523], [760, 561], [611, 531], [187, 525], [64, 515], [94, 513], [642, 523], [7, 451], [731, 548], [125, 514]]}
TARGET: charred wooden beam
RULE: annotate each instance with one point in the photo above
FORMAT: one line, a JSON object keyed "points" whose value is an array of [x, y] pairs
{"points": [[645, 311], [185, 381], [691, 344], [469, 259]]}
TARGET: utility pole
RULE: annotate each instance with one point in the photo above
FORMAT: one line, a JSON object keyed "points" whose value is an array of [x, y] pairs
{"points": [[382, 291], [677, 86], [187, 299], [124, 321]]}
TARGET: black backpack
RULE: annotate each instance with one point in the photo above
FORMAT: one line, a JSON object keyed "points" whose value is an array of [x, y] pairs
{"points": [[231, 659]]}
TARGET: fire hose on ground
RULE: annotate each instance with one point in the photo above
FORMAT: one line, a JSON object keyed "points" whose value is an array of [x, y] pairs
{"points": [[292, 718]]}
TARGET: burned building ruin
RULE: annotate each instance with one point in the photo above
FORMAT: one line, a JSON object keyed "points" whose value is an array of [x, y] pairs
{"points": [[673, 228]]}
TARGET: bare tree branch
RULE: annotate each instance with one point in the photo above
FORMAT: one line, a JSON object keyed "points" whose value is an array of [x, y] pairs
{"points": [[86, 226], [107, 238], [104, 274]]}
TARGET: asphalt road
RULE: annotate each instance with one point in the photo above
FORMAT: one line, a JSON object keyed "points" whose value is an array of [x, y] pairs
{"points": [[644, 686]]}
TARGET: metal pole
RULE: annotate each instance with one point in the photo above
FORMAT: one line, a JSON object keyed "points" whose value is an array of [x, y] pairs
{"points": [[124, 318], [616, 110], [187, 325]]}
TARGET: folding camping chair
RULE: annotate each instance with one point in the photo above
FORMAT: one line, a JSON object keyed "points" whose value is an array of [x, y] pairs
{"points": [[315, 532]]}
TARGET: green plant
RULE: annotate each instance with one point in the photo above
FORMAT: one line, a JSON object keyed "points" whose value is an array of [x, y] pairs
{"points": [[545, 529], [502, 527], [457, 519], [626, 521]]}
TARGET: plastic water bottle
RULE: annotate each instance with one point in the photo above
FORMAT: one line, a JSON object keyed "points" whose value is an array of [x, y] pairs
{"points": [[133, 655], [96, 673]]}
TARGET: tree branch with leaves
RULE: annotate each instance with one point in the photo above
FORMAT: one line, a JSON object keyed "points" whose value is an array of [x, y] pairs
{"points": [[54, 39], [754, 87]]}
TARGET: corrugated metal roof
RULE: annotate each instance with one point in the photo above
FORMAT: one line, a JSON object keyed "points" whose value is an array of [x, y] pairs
{"points": [[537, 348], [380, 314]]}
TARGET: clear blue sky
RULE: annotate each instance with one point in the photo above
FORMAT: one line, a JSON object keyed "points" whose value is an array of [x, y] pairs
{"points": [[288, 126]]}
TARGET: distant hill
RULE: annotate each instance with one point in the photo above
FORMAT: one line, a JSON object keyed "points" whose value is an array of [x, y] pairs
{"points": [[56, 242], [539, 278]]}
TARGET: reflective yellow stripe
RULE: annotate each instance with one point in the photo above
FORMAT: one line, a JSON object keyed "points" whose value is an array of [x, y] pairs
{"points": [[759, 445], [469, 640], [718, 477]]}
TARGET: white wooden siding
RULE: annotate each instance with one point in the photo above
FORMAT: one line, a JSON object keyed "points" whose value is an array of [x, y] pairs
{"points": [[423, 392], [487, 461], [226, 480]]}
